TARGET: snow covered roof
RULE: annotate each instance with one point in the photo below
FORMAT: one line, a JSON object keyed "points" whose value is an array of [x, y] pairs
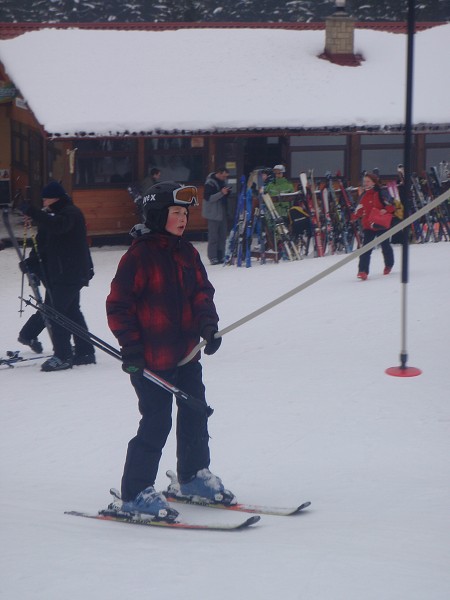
{"points": [[113, 82]]}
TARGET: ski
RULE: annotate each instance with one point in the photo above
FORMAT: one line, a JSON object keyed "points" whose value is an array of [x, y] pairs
{"points": [[241, 224], [340, 225], [329, 231], [349, 207], [249, 227], [241, 507], [281, 229], [13, 357], [421, 202], [175, 496], [233, 240], [106, 515], [313, 209], [262, 225]]}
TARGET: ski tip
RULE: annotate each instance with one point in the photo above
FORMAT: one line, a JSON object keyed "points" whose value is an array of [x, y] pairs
{"points": [[250, 521], [172, 476], [301, 507], [115, 492]]}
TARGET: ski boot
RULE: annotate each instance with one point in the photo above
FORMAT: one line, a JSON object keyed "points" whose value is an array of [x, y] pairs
{"points": [[148, 502], [84, 359], [56, 364], [203, 488], [34, 344]]}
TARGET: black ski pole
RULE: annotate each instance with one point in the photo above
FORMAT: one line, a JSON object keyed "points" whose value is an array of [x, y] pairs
{"points": [[32, 279], [74, 328], [24, 252], [55, 316]]}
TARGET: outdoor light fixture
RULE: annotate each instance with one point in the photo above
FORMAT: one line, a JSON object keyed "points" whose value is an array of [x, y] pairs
{"points": [[340, 6]]}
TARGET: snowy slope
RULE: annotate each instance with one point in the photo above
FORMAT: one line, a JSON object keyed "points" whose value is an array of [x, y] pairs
{"points": [[303, 411], [150, 80]]}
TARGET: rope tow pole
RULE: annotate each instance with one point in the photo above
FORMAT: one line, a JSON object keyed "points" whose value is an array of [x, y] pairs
{"points": [[309, 282]]}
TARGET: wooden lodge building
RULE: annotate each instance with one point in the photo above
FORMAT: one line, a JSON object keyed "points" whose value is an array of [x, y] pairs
{"points": [[96, 165]]}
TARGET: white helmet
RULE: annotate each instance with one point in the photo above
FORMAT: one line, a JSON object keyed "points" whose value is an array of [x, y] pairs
{"points": [[279, 168]]}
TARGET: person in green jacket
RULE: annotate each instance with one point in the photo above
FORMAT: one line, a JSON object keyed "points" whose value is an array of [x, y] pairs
{"points": [[280, 186]]}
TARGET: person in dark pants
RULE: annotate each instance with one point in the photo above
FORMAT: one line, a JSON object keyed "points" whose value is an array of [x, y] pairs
{"points": [[67, 264], [372, 198], [155, 406], [160, 304], [214, 210]]}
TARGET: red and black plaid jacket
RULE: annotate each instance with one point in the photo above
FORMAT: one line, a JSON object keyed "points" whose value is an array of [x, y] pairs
{"points": [[161, 298]]}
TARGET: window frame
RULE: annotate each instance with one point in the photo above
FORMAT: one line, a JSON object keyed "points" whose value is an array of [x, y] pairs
{"points": [[187, 151], [95, 154], [397, 145], [308, 148], [436, 145], [20, 145]]}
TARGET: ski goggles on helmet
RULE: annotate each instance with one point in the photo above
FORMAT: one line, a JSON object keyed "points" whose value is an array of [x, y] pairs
{"points": [[185, 196]]}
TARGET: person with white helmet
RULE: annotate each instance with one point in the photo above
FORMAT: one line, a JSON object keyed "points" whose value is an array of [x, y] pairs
{"points": [[280, 185]]}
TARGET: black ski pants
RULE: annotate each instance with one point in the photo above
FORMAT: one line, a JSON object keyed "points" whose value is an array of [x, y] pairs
{"points": [[66, 300], [155, 405], [33, 327], [386, 248]]}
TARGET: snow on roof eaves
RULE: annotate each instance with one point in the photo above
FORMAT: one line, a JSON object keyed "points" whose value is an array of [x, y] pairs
{"points": [[337, 129], [219, 80], [10, 30]]}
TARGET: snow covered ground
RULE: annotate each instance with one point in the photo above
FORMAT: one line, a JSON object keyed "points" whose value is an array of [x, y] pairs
{"points": [[303, 411]]}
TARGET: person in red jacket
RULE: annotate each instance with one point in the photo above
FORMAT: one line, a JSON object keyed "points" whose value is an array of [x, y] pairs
{"points": [[160, 304], [372, 198]]}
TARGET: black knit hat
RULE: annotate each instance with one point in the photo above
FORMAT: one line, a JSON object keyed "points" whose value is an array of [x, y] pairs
{"points": [[54, 190]]}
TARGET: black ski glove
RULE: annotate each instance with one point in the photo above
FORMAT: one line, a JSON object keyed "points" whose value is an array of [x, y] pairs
{"points": [[212, 343], [133, 361], [30, 267], [23, 266]]}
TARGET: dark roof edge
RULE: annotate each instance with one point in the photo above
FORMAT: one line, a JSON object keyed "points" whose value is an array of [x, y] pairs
{"points": [[10, 30], [380, 129]]}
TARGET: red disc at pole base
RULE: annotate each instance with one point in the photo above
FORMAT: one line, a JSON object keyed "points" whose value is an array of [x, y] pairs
{"points": [[403, 371]]}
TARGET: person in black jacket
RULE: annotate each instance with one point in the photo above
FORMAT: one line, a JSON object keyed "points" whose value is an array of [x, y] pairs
{"points": [[67, 265]]}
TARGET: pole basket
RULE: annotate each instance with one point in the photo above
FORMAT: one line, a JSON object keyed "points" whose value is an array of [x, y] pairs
{"points": [[403, 371]]}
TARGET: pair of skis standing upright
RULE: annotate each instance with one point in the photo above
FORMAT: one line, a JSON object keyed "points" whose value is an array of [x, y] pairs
{"points": [[330, 211], [253, 220]]}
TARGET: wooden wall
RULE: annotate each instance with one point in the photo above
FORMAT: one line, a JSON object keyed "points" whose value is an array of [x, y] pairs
{"points": [[112, 211], [107, 211]]}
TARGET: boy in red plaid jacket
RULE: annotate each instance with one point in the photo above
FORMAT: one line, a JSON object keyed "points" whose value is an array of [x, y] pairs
{"points": [[160, 303]]}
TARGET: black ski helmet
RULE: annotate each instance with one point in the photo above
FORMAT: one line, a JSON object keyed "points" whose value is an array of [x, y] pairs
{"points": [[157, 198]]}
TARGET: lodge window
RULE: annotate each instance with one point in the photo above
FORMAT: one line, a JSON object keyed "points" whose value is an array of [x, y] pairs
{"points": [[261, 150], [383, 152], [105, 162], [320, 153], [181, 159], [437, 148], [19, 145]]}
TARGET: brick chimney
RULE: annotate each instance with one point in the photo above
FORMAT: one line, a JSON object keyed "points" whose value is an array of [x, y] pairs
{"points": [[339, 38]]}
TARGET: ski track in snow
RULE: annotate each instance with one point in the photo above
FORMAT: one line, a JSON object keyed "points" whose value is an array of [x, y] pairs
{"points": [[303, 411]]}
